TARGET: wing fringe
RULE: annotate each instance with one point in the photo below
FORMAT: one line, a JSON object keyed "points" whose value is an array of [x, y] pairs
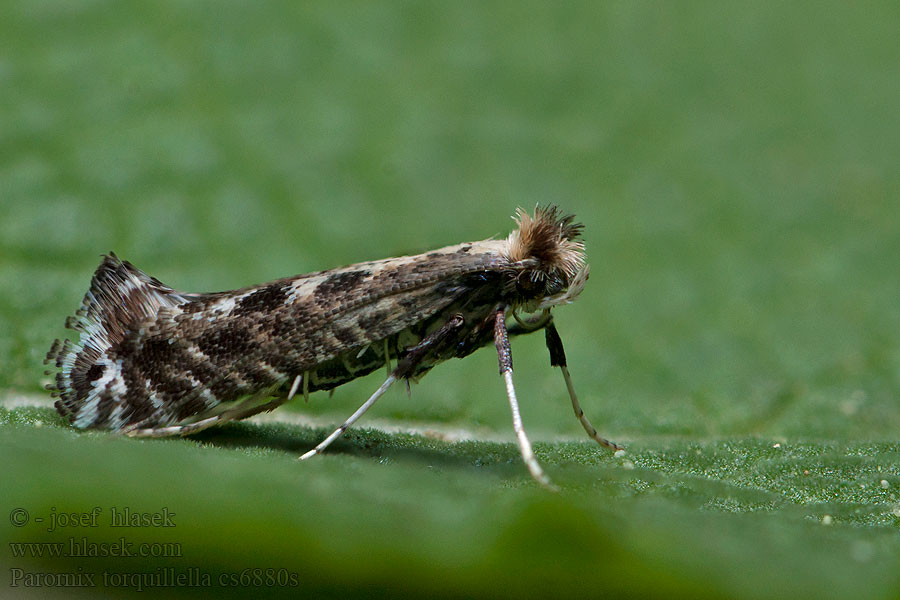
{"points": [[121, 297]]}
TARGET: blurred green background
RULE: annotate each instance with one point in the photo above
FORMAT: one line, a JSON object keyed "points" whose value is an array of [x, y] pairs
{"points": [[736, 169]]}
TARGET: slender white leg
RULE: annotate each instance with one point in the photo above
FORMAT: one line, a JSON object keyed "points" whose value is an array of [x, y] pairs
{"points": [[591, 430], [406, 367], [294, 387], [524, 445], [504, 354], [353, 418]]}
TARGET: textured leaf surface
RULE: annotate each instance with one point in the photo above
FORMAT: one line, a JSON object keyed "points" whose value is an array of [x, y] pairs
{"points": [[734, 164]]}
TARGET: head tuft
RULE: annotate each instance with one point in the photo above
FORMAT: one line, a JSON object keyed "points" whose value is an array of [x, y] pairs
{"points": [[545, 252], [549, 238]]}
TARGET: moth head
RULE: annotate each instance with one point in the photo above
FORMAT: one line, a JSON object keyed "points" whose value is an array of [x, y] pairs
{"points": [[546, 258]]}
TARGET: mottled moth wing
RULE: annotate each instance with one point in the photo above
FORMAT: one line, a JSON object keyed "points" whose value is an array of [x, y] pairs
{"points": [[154, 357]]}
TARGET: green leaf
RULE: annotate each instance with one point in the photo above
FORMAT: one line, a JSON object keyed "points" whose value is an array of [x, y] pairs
{"points": [[734, 165]]}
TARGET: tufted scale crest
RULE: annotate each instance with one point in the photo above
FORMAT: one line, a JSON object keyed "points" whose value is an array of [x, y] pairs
{"points": [[547, 247]]}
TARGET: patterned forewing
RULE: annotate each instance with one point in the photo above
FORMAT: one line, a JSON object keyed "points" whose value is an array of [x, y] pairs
{"points": [[220, 347]]}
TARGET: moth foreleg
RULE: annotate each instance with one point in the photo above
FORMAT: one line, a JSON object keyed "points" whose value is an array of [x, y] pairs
{"points": [[405, 368], [504, 353], [558, 359]]}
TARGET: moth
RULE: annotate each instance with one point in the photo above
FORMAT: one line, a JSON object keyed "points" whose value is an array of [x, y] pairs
{"points": [[153, 361]]}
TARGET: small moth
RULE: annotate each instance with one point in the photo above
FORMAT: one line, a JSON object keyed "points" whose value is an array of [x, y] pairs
{"points": [[152, 361]]}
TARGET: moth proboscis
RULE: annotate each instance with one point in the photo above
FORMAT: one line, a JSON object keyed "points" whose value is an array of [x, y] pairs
{"points": [[153, 361]]}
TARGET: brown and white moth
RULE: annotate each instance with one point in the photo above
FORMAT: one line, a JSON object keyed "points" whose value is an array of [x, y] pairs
{"points": [[152, 361]]}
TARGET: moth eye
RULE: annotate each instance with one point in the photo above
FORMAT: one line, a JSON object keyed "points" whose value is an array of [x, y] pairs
{"points": [[528, 286], [555, 286]]}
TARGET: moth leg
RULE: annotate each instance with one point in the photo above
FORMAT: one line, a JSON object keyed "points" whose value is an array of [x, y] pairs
{"points": [[353, 418], [504, 352], [246, 408], [306, 386], [239, 414], [405, 367], [294, 387], [172, 430], [558, 359]]}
